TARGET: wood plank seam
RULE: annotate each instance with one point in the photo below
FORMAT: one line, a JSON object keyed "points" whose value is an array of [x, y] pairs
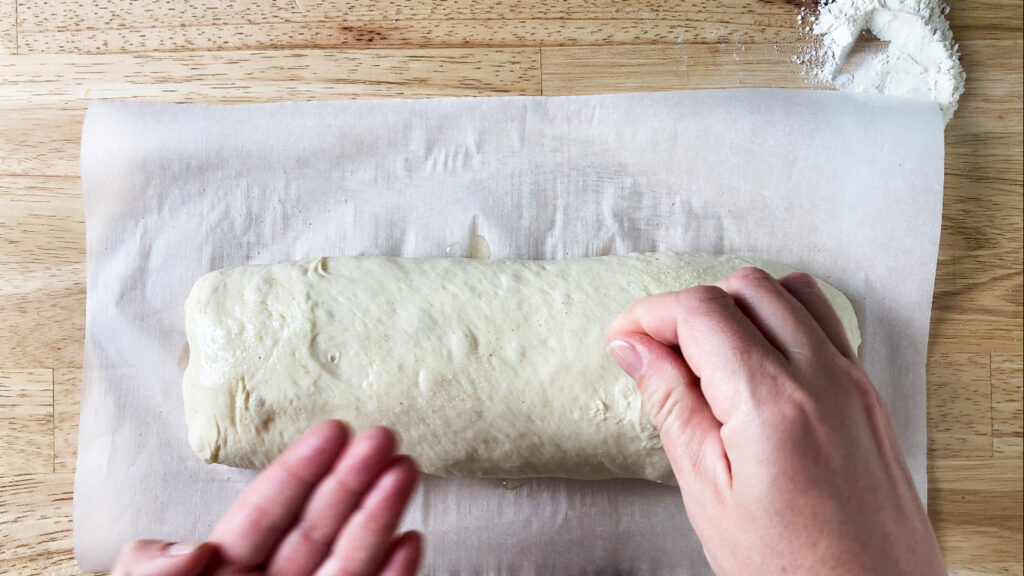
{"points": [[53, 421], [540, 69], [708, 17]]}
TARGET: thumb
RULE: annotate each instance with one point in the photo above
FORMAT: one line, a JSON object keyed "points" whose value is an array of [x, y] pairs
{"points": [[153, 558], [677, 408]]}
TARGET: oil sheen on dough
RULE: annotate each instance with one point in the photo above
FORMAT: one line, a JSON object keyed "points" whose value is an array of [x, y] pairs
{"points": [[484, 367]]}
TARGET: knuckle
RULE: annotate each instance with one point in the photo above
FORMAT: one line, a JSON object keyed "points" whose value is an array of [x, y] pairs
{"points": [[793, 409], [699, 297], [802, 278], [338, 566], [789, 422], [800, 282], [751, 276], [865, 392], [259, 516], [314, 536], [661, 401]]}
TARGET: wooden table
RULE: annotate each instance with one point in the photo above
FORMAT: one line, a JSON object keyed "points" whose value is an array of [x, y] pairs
{"points": [[55, 56]]}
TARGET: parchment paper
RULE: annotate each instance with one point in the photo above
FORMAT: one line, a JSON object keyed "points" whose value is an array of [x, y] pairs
{"points": [[847, 187]]}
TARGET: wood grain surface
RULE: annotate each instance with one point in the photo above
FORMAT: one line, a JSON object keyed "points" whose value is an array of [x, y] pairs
{"points": [[56, 56]]}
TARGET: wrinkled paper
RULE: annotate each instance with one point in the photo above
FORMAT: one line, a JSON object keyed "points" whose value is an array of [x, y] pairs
{"points": [[847, 187]]}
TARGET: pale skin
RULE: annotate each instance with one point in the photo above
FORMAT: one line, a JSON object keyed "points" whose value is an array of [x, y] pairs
{"points": [[786, 458]]}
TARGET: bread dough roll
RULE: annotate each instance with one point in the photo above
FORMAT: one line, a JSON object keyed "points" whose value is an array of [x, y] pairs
{"points": [[483, 367]]}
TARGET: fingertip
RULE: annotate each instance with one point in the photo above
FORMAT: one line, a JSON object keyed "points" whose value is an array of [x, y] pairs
{"points": [[625, 354], [197, 554], [380, 438], [406, 462], [331, 430], [649, 362], [618, 325], [647, 349], [392, 488], [401, 472], [140, 548], [135, 553], [152, 557], [410, 538], [206, 549], [405, 555], [624, 338], [319, 446], [409, 466], [188, 559], [181, 548], [326, 432], [413, 542]]}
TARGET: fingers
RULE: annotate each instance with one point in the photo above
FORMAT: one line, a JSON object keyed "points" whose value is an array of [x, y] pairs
{"points": [[776, 313], [265, 511], [677, 407], [156, 558], [363, 543], [333, 501], [404, 556], [807, 292], [718, 342]]}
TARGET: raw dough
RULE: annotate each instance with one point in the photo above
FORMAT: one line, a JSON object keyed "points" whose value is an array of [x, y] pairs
{"points": [[484, 367]]}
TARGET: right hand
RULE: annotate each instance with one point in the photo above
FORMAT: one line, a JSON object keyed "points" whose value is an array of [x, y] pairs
{"points": [[786, 457]]}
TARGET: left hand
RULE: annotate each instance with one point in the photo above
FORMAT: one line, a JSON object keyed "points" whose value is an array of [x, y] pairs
{"points": [[326, 506]]}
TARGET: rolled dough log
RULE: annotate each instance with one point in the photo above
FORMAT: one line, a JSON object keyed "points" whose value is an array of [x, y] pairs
{"points": [[484, 367]]}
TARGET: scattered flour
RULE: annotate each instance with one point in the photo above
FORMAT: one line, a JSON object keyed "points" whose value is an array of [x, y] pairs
{"points": [[922, 60]]}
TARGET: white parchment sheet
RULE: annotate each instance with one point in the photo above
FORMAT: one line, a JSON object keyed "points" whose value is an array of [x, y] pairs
{"points": [[847, 187]]}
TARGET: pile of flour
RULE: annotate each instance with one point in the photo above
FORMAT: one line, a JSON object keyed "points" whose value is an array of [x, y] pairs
{"points": [[922, 60]]}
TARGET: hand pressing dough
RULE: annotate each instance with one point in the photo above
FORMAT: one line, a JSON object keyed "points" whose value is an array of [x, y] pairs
{"points": [[484, 367]]}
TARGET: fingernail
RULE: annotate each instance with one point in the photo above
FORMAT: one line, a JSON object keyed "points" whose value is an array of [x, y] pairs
{"points": [[626, 356], [181, 548]]}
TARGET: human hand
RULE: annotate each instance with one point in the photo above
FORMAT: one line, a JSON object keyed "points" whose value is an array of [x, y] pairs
{"points": [[786, 457], [325, 506]]}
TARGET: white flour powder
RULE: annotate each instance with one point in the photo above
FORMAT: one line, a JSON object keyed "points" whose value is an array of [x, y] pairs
{"points": [[922, 60]]}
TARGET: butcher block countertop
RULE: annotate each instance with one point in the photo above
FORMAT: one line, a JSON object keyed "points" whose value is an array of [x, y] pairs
{"points": [[56, 56]]}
